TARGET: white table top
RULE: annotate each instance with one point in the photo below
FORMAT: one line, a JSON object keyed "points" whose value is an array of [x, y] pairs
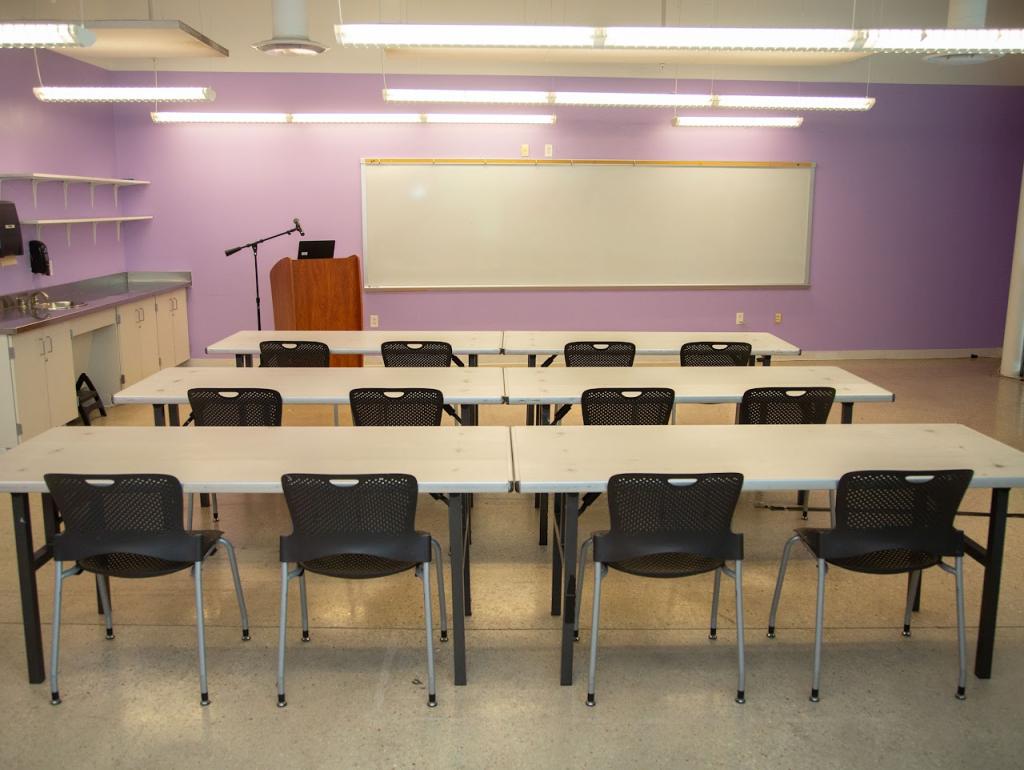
{"points": [[647, 343], [360, 342], [443, 459], [692, 384], [771, 457], [460, 385]]}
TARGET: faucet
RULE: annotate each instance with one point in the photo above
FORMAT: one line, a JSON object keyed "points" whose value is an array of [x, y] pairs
{"points": [[28, 305]]}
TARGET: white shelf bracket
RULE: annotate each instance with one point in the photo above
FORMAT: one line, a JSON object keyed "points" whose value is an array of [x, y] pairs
{"points": [[92, 194], [94, 233], [116, 188], [118, 230], [67, 227], [66, 186], [35, 191]]}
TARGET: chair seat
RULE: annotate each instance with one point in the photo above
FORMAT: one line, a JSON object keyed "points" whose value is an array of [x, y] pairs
{"points": [[356, 566], [888, 562], [667, 565], [134, 565]]}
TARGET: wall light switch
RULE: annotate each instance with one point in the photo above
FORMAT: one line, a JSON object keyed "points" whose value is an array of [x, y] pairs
{"points": [[739, 319], [524, 150], [374, 320], [778, 318], [549, 150]]}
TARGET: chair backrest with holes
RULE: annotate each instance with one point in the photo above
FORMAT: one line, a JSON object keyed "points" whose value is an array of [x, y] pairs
{"points": [[298, 353], [900, 500], [786, 406], [117, 503], [356, 504], [660, 503], [627, 406], [416, 353], [599, 353], [396, 407], [235, 407], [715, 354]]}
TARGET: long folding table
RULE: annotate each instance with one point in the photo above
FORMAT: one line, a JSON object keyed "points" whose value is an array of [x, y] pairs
{"points": [[243, 345], [577, 459], [464, 387], [456, 461]]}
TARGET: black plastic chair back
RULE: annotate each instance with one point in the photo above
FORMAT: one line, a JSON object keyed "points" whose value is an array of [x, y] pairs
{"points": [[415, 353], [294, 354], [900, 500], [715, 354], [235, 407], [396, 407], [351, 504], [599, 353], [627, 406], [786, 406], [662, 503]]}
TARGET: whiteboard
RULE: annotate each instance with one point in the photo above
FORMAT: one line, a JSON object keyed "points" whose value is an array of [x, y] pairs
{"points": [[515, 224]]}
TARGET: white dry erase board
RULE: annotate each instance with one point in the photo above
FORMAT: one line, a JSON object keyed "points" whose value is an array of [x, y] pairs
{"points": [[469, 223]]}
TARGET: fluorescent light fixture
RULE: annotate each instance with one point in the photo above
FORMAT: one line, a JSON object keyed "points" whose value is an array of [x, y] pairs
{"points": [[460, 35], [44, 35], [465, 96], [850, 103], [949, 41], [616, 99], [349, 117], [752, 122], [941, 41], [124, 94], [731, 38], [220, 117]]}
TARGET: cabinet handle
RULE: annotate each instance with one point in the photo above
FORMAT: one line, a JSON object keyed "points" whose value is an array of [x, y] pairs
{"points": [[42, 344], [142, 310], [50, 340], [174, 303]]}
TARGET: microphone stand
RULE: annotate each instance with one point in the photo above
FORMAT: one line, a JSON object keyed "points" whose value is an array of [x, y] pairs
{"points": [[254, 245]]}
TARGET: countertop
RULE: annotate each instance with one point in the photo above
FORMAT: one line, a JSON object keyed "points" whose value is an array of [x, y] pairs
{"points": [[96, 294]]}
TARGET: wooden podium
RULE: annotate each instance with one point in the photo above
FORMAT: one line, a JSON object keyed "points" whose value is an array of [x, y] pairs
{"points": [[318, 294]]}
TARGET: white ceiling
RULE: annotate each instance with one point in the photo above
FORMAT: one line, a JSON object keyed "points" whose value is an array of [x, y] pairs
{"points": [[236, 24]]}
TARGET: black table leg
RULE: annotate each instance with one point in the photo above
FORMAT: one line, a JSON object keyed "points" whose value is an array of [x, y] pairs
{"points": [[531, 361], [990, 586], [766, 360], [27, 582], [473, 359], [248, 360], [173, 415], [159, 418], [239, 360], [847, 416], [556, 559], [542, 503], [570, 523], [467, 519], [455, 526]]}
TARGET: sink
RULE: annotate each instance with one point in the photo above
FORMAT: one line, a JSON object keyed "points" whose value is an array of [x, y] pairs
{"points": [[59, 304]]}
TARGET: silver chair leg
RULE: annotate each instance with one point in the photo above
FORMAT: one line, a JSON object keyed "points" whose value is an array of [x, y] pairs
{"points": [[912, 584], [337, 418], [741, 692], [713, 632], [581, 566], [778, 584], [819, 628], [429, 622], [204, 694], [191, 508], [961, 629], [595, 622], [238, 586], [213, 507], [303, 605], [440, 589], [281, 702], [55, 634], [108, 615]]}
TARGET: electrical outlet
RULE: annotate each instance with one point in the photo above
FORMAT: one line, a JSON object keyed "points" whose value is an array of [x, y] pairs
{"points": [[739, 319], [549, 150], [778, 318], [374, 320], [524, 150]]}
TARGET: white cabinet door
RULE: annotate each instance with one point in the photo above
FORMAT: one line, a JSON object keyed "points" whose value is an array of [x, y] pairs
{"points": [[149, 338], [179, 313], [165, 329], [30, 383], [60, 374], [129, 342]]}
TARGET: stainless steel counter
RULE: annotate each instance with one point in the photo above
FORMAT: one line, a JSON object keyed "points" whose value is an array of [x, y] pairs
{"points": [[94, 294]]}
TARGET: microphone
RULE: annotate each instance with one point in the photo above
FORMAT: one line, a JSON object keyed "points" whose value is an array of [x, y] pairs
{"points": [[298, 226], [229, 252]]}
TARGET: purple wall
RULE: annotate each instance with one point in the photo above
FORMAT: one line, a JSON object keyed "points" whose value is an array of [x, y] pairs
{"points": [[915, 201], [58, 139]]}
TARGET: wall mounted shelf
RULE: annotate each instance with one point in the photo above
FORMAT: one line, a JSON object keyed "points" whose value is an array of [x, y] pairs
{"points": [[67, 180], [40, 223]]}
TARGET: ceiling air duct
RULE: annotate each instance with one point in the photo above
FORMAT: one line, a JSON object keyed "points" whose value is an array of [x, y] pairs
{"points": [[291, 32], [964, 14]]}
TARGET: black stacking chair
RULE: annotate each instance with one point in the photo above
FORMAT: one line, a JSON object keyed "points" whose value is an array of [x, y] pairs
{"points": [[356, 527], [418, 353], [888, 523], [786, 406], [396, 406], [599, 353], [668, 526], [715, 354], [129, 526], [298, 353], [232, 408]]}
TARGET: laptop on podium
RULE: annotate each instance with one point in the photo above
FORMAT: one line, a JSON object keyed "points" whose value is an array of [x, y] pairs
{"points": [[316, 249]]}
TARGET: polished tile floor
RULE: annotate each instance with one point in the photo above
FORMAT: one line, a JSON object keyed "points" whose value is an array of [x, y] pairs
{"points": [[665, 692]]}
